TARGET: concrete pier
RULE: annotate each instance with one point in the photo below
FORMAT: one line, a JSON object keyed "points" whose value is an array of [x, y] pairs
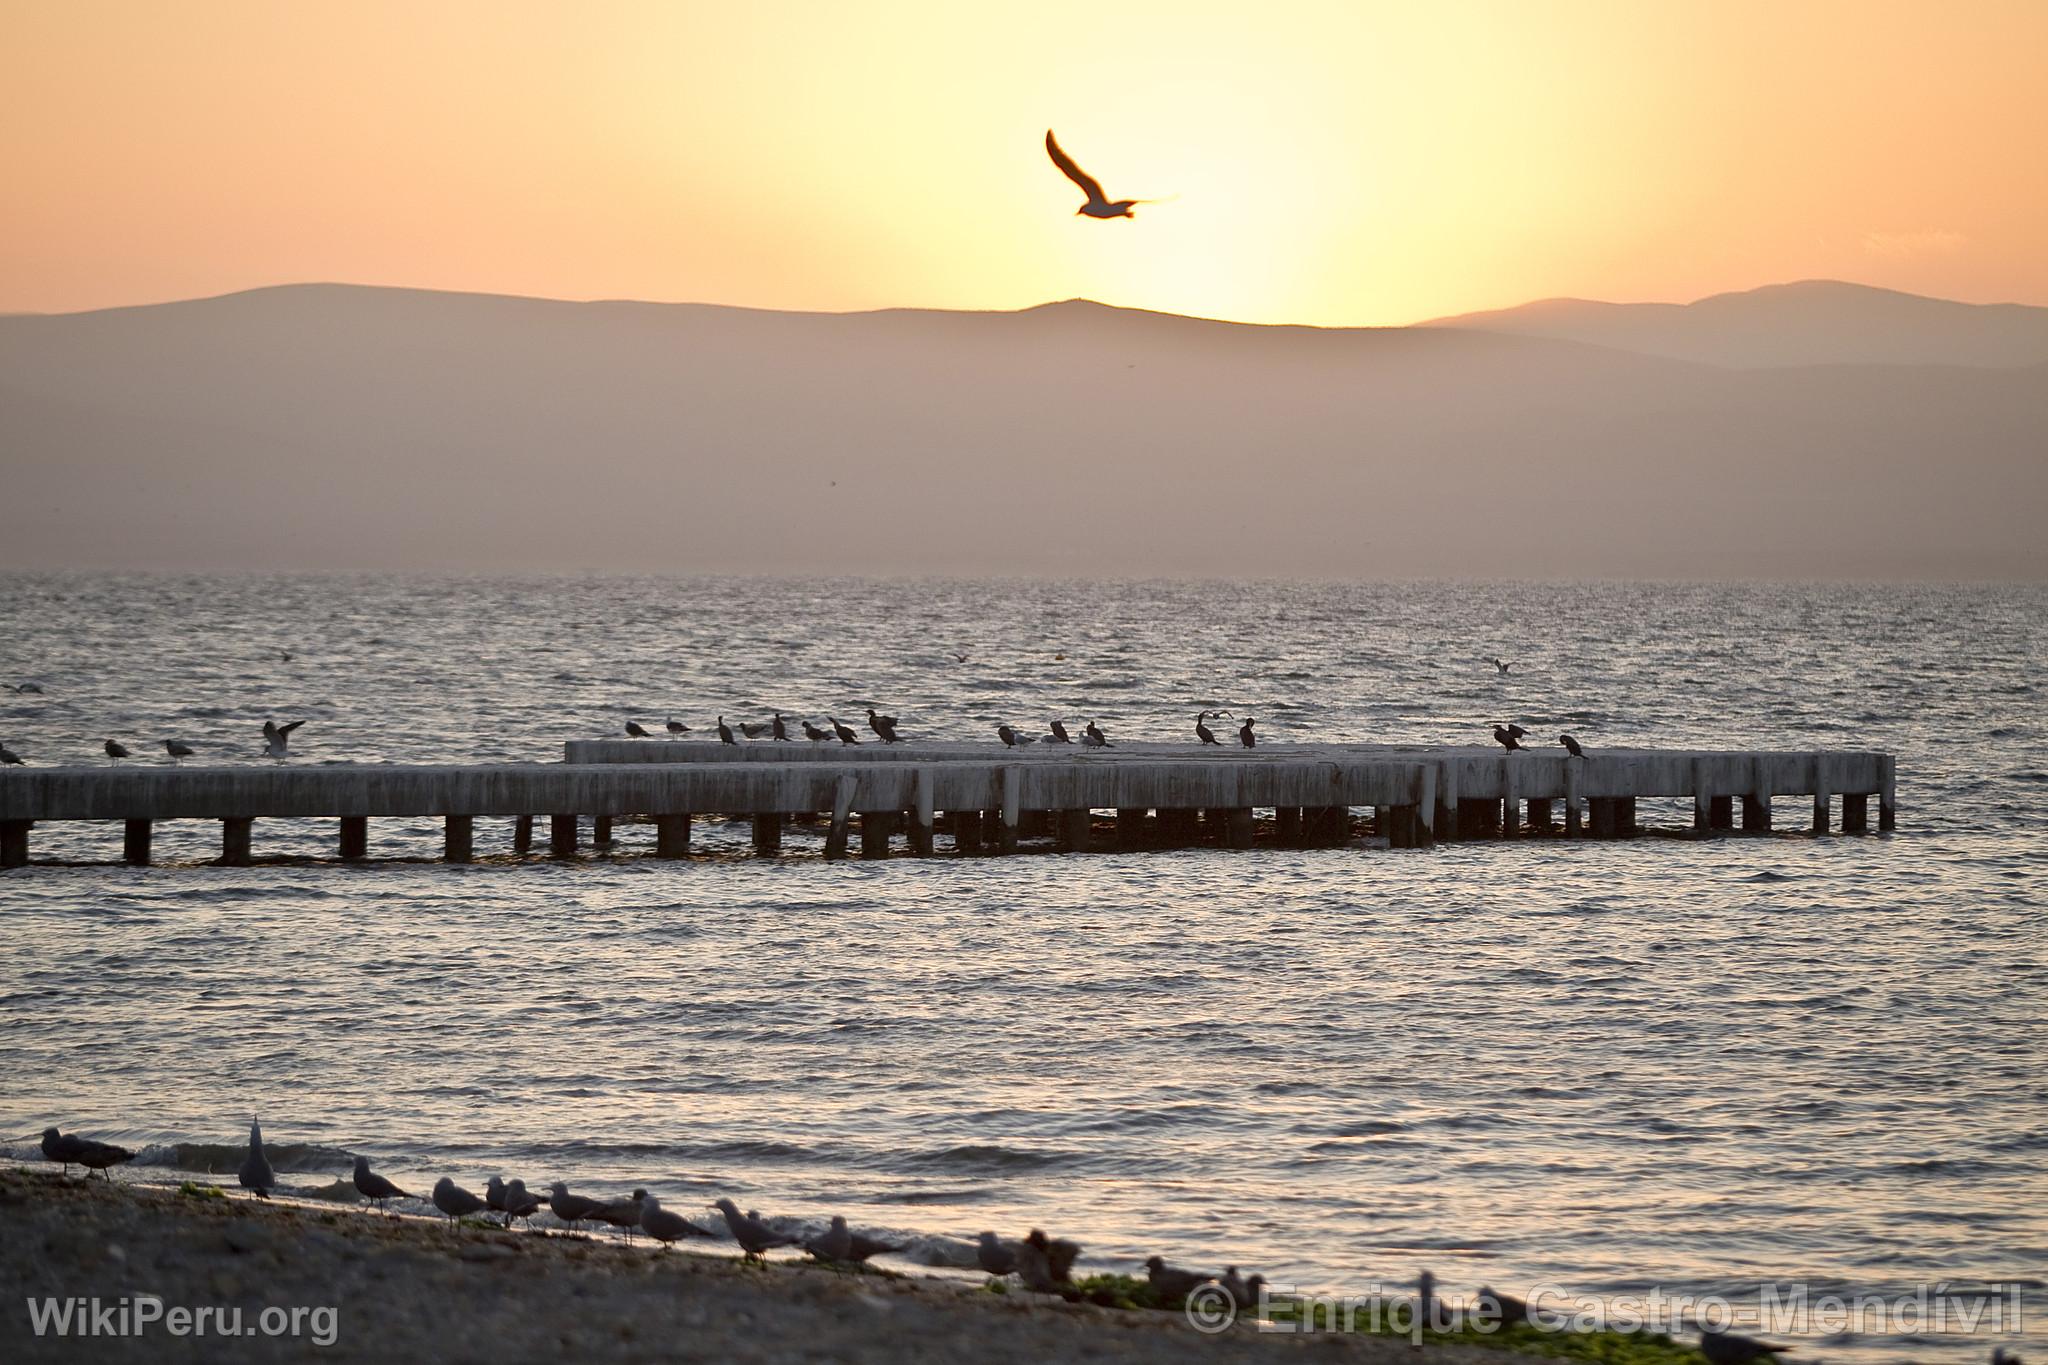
{"points": [[986, 799]]}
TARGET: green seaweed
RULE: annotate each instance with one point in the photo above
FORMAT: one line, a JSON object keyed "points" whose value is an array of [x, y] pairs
{"points": [[193, 1190]]}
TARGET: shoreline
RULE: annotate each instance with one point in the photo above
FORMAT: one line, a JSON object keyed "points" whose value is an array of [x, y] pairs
{"points": [[414, 1289]]}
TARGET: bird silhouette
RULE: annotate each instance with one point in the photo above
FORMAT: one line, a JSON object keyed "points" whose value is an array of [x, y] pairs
{"points": [[677, 728], [177, 750], [1245, 735], [1099, 205], [725, 732], [116, 749], [846, 736], [277, 739], [1572, 746], [1060, 735], [1202, 730], [814, 734], [636, 729], [777, 729], [885, 726], [1501, 664], [1507, 738], [8, 756]]}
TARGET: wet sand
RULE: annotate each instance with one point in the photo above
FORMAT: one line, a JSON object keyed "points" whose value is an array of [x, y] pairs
{"points": [[413, 1289]]}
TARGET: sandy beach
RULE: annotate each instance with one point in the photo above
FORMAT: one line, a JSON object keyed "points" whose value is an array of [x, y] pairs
{"points": [[412, 1289]]}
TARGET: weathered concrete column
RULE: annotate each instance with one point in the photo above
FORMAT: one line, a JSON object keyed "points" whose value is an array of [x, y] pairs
{"points": [[1625, 826], [1888, 794], [1400, 825], [1425, 810], [355, 838], [922, 817], [1287, 826], [966, 828], [601, 831], [842, 812], [1702, 799], [234, 841], [1856, 812], [1326, 826], [767, 833], [458, 839], [1600, 817], [1721, 813], [875, 828], [564, 832], [1823, 792], [1034, 824], [522, 834], [1756, 813], [1012, 811], [1237, 826], [1177, 826], [1476, 819], [672, 836], [1072, 829], [14, 843], [1574, 827], [1445, 825], [1511, 801], [1133, 826], [1820, 812], [135, 836], [1539, 815]]}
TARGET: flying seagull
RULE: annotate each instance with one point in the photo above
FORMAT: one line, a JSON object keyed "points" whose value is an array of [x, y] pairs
{"points": [[1501, 664], [1098, 205], [277, 739]]}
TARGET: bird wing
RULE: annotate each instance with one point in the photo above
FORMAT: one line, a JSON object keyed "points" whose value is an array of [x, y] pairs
{"points": [[287, 729], [1090, 186]]}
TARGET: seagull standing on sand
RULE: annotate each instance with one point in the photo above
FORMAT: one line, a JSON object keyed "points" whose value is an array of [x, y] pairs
{"points": [[623, 1213], [62, 1148], [1044, 1263], [116, 749], [1099, 205], [571, 1208], [277, 739], [520, 1203], [455, 1201], [666, 1227], [995, 1256], [97, 1156], [1571, 746], [374, 1187], [753, 1235], [1170, 1284], [840, 1243], [256, 1174]]}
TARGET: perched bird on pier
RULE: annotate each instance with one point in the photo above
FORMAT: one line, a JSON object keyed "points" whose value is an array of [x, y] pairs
{"points": [[1727, 1348], [1571, 746], [277, 739], [777, 729], [8, 756], [1506, 738], [753, 1235], [1202, 730], [814, 734], [177, 750], [666, 1227], [116, 750], [97, 1156], [1245, 735], [1007, 736], [1093, 738], [994, 1255], [374, 1187], [753, 729], [846, 736], [520, 1202], [677, 728], [571, 1208], [885, 726], [842, 1244], [1059, 734], [1098, 205], [1501, 664], [1170, 1284], [455, 1201], [256, 1175], [1045, 1263], [1502, 1308], [725, 732], [636, 729], [62, 1148]]}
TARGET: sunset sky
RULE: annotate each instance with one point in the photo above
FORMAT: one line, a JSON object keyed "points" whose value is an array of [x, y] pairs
{"points": [[1339, 162]]}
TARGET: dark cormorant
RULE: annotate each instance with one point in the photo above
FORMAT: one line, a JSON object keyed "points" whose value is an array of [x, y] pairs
{"points": [[636, 729], [1202, 730], [1518, 732], [1507, 739], [885, 726], [779, 730], [1093, 738], [846, 736], [725, 732], [1059, 734], [1007, 735], [1245, 735], [1571, 746], [177, 750], [116, 750]]}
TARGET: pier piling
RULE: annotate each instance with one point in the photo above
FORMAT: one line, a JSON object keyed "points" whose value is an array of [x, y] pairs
{"points": [[135, 836], [562, 835], [767, 834], [234, 841], [672, 836], [355, 838], [522, 834], [458, 839]]}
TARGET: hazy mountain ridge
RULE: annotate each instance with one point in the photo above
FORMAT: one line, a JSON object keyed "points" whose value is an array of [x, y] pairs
{"points": [[340, 427], [1811, 322]]}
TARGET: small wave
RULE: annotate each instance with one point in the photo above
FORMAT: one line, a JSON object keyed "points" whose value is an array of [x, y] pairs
{"points": [[987, 1157], [216, 1158]]}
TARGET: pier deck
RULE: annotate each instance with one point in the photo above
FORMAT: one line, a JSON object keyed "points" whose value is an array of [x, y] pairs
{"points": [[985, 797]]}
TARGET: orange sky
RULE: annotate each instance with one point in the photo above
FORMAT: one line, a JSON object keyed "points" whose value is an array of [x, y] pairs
{"points": [[1334, 162]]}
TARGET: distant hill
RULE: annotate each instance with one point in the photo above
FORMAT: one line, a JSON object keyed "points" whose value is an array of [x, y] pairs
{"points": [[337, 427], [1815, 322]]}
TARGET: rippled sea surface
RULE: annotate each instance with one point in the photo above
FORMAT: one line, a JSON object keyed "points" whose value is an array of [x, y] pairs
{"points": [[1705, 1066]]}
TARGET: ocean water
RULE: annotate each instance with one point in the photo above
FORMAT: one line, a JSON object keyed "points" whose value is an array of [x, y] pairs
{"points": [[1708, 1067]]}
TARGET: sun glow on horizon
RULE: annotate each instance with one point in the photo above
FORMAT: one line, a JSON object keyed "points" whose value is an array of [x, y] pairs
{"points": [[1328, 163]]}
